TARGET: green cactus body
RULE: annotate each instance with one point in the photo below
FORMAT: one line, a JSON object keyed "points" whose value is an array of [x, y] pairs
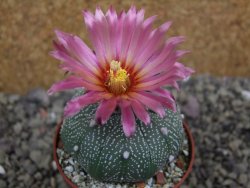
{"points": [[109, 156]]}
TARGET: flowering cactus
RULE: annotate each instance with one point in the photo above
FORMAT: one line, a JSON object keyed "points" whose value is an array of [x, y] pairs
{"points": [[123, 80]]}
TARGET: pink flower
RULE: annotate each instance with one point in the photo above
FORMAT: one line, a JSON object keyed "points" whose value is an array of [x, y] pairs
{"points": [[130, 65]]}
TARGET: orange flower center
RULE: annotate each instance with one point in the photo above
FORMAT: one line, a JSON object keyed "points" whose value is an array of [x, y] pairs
{"points": [[118, 80]]}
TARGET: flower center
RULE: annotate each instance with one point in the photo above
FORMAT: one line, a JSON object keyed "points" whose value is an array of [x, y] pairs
{"points": [[118, 80]]}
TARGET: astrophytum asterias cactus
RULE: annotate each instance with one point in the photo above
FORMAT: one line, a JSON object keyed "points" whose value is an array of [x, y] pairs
{"points": [[126, 126], [108, 155]]}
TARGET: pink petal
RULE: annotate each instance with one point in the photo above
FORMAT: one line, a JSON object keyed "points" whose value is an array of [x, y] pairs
{"points": [[111, 16], [73, 82], [119, 31], [151, 103], [166, 52], [63, 38], [162, 60], [88, 18], [187, 71], [164, 93], [180, 53], [162, 76], [99, 35], [140, 16], [149, 21], [112, 20], [165, 100], [176, 72], [140, 112], [139, 43], [154, 43], [68, 83], [128, 28], [168, 65], [127, 119], [58, 46], [103, 28], [164, 27], [83, 53], [77, 48], [72, 65], [176, 40], [105, 110], [76, 104], [171, 81], [138, 30]]}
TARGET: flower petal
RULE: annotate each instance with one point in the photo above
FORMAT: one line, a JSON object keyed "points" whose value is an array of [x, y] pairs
{"points": [[99, 36], [127, 118], [76, 104], [68, 83], [73, 66], [177, 72], [151, 103], [164, 93], [165, 100], [138, 31], [140, 111], [128, 29], [77, 48], [112, 20], [154, 43], [176, 40], [140, 42], [166, 52], [103, 28], [161, 61], [105, 110], [169, 62]]}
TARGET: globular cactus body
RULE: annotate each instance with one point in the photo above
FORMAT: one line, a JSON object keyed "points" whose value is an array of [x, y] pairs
{"points": [[109, 156]]}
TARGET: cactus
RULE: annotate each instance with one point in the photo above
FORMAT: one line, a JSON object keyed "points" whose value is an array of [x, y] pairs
{"points": [[131, 64], [109, 156]]}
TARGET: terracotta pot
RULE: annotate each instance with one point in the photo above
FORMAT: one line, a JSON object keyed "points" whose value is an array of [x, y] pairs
{"points": [[71, 184]]}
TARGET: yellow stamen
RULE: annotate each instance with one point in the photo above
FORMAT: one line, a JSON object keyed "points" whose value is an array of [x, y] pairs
{"points": [[118, 78]]}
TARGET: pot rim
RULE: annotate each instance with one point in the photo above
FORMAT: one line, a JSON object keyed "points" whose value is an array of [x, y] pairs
{"points": [[192, 149], [184, 177]]}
